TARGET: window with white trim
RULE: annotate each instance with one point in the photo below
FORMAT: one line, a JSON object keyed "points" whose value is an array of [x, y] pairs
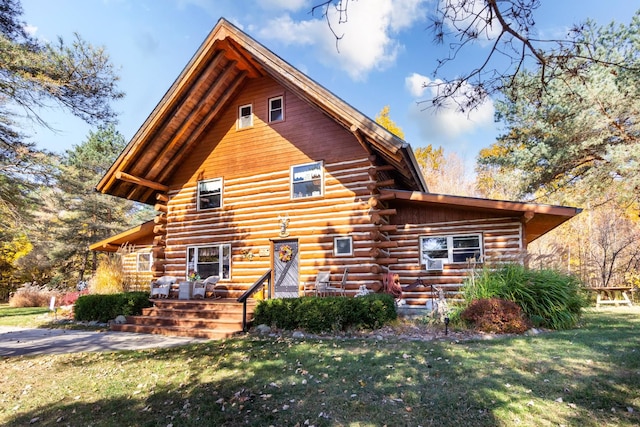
{"points": [[143, 262], [210, 194], [307, 180], [276, 109], [343, 246], [451, 248], [245, 116], [212, 260]]}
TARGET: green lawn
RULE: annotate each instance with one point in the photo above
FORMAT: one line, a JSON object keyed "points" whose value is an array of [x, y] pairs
{"points": [[584, 377]]}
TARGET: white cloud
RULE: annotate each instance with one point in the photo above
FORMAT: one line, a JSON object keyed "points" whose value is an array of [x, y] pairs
{"points": [[445, 126], [30, 29], [367, 37]]}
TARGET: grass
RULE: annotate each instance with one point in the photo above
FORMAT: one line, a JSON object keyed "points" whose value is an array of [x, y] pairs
{"points": [[581, 377], [41, 317]]}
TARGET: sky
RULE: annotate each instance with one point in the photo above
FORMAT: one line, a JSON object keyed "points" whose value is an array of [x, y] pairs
{"points": [[385, 55]]}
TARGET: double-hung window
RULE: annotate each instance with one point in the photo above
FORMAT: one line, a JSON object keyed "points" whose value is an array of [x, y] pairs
{"points": [[212, 260], [210, 194], [276, 109], [143, 262], [307, 180], [245, 116], [452, 248]]}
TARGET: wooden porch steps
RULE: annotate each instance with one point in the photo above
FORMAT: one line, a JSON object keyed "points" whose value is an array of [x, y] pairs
{"points": [[212, 319]]}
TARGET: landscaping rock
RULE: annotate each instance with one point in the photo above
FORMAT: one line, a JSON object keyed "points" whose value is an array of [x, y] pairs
{"points": [[263, 329], [297, 335], [120, 320]]}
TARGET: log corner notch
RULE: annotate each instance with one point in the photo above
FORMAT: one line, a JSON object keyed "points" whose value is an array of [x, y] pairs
{"points": [[160, 230], [379, 213]]}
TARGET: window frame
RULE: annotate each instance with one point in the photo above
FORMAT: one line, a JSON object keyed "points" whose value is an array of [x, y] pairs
{"points": [[240, 123], [271, 109], [199, 195], [192, 263], [149, 263], [336, 246], [302, 180], [451, 250]]}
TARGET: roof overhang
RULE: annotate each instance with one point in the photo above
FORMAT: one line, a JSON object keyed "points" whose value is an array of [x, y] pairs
{"points": [[142, 232], [538, 218], [205, 88]]}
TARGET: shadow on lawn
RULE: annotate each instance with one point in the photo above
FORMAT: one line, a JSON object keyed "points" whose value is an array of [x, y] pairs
{"points": [[365, 382]]}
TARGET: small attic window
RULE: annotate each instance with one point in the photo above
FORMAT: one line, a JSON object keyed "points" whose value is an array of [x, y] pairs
{"points": [[276, 109], [245, 116]]}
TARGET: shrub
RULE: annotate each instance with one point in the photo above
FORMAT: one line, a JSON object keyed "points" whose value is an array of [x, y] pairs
{"points": [[31, 296], [103, 308], [327, 314], [497, 316], [553, 299], [109, 277]]}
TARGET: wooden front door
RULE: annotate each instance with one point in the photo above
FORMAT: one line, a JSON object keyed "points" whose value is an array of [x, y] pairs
{"points": [[285, 269]]}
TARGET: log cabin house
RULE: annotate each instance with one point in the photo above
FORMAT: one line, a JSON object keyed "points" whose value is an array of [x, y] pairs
{"points": [[254, 167]]}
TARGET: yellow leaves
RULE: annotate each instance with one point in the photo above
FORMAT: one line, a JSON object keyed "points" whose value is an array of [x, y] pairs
{"points": [[383, 120]]}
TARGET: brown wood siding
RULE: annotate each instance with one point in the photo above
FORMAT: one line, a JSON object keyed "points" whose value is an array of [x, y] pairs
{"points": [[135, 280], [254, 164], [501, 242]]}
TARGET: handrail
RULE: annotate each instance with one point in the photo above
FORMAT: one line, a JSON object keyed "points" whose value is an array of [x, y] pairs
{"points": [[253, 289]]}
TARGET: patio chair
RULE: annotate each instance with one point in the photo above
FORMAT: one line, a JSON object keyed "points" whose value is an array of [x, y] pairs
{"points": [[340, 289], [322, 282], [199, 289], [210, 285], [161, 287]]}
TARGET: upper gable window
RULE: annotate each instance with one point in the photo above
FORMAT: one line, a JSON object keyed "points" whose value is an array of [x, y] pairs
{"points": [[307, 180], [276, 109], [210, 194], [245, 116]]}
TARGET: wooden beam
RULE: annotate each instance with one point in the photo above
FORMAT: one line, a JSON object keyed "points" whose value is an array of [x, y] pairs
{"points": [[160, 229], [159, 240], [161, 218], [378, 253], [374, 186], [387, 260], [161, 208], [377, 235], [123, 176], [356, 132], [162, 197], [388, 244], [392, 228], [386, 212]]}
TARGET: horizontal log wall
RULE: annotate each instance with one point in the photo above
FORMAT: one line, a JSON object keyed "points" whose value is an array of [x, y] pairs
{"points": [[255, 166], [501, 240], [135, 280]]}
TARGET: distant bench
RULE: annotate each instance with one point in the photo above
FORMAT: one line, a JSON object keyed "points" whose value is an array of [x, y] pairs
{"points": [[612, 295]]}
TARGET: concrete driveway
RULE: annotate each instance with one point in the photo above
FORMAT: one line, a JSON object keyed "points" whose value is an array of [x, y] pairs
{"points": [[16, 341]]}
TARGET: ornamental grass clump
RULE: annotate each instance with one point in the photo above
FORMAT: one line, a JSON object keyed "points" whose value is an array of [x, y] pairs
{"points": [[109, 277], [549, 298]]}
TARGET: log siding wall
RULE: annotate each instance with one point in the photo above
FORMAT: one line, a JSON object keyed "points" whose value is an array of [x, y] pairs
{"points": [[254, 164], [501, 239]]}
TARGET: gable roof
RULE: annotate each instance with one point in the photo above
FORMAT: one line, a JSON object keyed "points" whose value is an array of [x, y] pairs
{"points": [[204, 89], [135, 235]]}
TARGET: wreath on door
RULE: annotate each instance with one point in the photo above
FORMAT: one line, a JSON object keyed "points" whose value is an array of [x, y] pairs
{"points": [[285, 253]]}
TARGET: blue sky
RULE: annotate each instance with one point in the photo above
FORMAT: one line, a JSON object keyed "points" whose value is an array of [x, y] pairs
{"points": [[385, 55]]}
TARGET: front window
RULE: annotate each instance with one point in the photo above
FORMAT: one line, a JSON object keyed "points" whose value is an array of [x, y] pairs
{"points": [[343, 246], [455, 248], [245, 116], [214, 260], [144, 262], [306, 180], [276, 109], [210, 194]]}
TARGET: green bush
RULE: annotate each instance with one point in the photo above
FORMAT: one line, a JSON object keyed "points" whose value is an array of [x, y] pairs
{"points": [[103, 308], [549, 298], [327, 314]]}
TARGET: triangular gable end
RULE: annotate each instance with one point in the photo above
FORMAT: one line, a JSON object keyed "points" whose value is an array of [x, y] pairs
{"points": [[204, 89]]}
